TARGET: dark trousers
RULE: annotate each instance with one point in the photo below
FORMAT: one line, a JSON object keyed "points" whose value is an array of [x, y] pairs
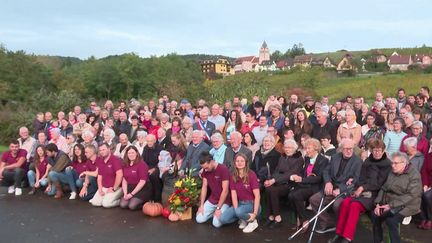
{"points": [[392, 221], [157, 185], [298, 198], [327, 218], [13, 177], [273, 195], [91, 189], [426, 206]]}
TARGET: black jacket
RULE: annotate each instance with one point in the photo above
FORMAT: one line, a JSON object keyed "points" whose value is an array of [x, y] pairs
{"points": [[287, 166], [259, 166], [315, 180]]}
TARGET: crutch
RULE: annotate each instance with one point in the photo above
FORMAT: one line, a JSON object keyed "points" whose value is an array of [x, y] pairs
{"points": [[316, 220], [348, 190]]}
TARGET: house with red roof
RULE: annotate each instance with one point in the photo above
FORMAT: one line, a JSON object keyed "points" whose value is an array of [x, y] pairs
{"points": [[245, 64], [398, 62]]}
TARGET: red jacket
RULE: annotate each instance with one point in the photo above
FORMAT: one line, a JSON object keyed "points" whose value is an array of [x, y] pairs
{"points": [[426, 171], [422, 145]]}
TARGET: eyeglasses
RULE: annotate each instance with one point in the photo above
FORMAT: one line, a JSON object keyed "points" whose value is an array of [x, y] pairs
{"points": [[142, 114], [177, 114], [395, 163]]}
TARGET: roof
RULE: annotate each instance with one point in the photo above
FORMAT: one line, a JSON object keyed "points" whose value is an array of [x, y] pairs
{"points": [[267, 63], [303, 59], [399, 59], [264, 45], [285, 63], [240, 60]]}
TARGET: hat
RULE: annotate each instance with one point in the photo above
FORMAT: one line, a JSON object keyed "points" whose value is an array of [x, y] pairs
{"points": [[184, 101]]}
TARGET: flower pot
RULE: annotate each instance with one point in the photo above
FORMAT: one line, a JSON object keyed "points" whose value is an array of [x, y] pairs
{"points": [[186, 215]]}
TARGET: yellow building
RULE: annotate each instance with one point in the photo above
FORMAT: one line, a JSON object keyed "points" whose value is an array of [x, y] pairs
{"points": [[220, 66]]}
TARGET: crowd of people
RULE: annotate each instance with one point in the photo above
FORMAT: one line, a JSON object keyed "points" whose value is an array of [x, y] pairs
{"points": [[365, 159]]}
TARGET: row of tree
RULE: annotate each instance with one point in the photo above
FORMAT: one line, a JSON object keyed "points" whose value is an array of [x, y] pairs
{"points": [[296, 50]]}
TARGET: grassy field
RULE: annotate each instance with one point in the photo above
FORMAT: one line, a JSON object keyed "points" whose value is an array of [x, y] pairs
{"points": [[338, 87]]}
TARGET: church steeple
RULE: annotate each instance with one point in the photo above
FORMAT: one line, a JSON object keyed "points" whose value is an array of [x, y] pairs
{"points": [[264, 53]]}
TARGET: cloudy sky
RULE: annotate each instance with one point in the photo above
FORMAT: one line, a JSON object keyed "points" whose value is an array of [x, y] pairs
{"points": [[229, 27]]}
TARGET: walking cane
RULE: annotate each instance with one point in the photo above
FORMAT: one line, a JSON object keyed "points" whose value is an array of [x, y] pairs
{"points": [[347, 191], [315, 221]]}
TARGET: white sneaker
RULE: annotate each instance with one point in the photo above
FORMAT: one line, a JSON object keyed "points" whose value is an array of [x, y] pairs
{"points": [[406, 220], [73, 196], [251, 227], [242, 223], [18, 192], [11, 189]]}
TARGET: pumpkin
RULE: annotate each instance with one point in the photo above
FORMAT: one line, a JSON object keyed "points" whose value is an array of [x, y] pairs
{"points": [[152, 209], [166, 212], [173, 217]]}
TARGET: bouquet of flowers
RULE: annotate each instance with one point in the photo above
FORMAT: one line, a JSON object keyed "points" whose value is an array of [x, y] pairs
{"points": [[186, 194]]}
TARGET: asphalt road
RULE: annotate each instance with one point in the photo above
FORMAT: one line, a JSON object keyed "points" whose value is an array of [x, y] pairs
{"points": [[39, 218]]}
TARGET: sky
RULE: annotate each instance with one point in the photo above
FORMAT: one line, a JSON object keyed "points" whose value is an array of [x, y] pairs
{"points": [[225, 27]]}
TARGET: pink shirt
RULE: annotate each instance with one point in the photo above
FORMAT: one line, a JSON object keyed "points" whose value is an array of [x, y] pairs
{"points": [[245, 190], [79, 167], [108, 170], [42, 166], [133, 174], [214, 180], [93, 166], [9, 159]]}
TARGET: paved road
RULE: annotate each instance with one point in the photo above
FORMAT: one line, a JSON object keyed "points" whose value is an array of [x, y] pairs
{"points": [[42, 219]]}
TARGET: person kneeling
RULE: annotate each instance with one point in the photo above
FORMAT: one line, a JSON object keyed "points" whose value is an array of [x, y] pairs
{"points": [[135, 185], [215, 176], [109, 179]]}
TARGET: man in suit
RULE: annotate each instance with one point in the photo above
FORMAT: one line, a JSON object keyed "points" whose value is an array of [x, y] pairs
{"points": [[204, 124], [236, 148], [194, 150], [342, 171]]}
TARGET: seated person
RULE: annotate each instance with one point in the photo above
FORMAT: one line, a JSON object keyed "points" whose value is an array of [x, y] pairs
{"points": [[12, 167], [39, 177], [90, 185], [58, 161]]}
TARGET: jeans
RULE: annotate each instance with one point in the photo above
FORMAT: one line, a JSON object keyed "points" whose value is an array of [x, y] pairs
{"points": [[242, 211], [208, 211], [69, 176], [31, 176], [13, 177]]}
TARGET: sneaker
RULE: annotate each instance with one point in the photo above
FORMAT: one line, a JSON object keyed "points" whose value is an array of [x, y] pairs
{"points": [[32, 191], [73, 196], [18, 192], [11, 189], [251, 227], [323, 230], [406, 220], [242, 223], [275, 224]]}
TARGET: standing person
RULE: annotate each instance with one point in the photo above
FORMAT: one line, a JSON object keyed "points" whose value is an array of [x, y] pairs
{"points": [[135, 184], [349, 127], [236, 148], [198, 146], [426, 204], [393, 139], [12, 166], [216, 118], [343, 170], [39, 177], [90, 186], [250, 142], [279, 185], [150, 156], [250, 124], [215, 177], [245, 194], [399, 197], [58, 161], [204, 124], [302, 125], [373, 174], [261, 130], [110, 176]]}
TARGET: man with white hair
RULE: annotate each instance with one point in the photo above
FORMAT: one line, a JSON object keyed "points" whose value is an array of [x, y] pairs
{"points": [[26, 142], [122, 145], [59, 140], [109, 138], [323, 127], [342, 171], [204, 124], [195, 148], [236, 148], [216, 118], [81, 126], [150, 155]]}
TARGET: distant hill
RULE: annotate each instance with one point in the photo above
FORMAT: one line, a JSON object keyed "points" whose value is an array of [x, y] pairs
{"points": [[203, 57], [57, 62]]}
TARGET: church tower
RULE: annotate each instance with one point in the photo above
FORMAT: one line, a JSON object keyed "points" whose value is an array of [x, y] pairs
{"points": [[264, 53]]}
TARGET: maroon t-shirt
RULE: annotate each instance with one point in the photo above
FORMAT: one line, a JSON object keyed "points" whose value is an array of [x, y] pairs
{"points": [[214, 180], [9, 159], [79, 167], [245, 190], [93, 166], [42, 166], [133, 174], [108, 170]]}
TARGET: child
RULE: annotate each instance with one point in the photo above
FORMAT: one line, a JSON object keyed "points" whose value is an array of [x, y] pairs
{"points": [[327, 148]]}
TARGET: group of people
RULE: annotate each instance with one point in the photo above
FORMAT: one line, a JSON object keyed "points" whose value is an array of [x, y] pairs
{"points": [[374, 160]]}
